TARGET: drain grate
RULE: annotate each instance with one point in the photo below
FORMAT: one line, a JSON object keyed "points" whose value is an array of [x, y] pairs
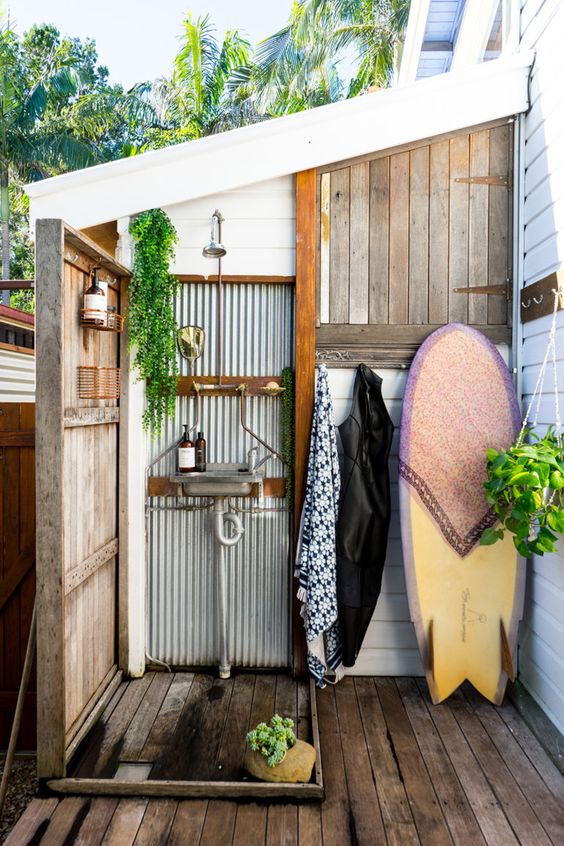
{"points": [[133, 771]]}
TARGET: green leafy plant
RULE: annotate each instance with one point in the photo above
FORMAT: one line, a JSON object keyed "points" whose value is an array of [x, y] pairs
{"points": [[288, 431], [273, 741], [524, 489], [150, 314]]}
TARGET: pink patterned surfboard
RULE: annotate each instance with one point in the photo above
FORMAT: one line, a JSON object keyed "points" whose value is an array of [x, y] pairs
{"points": [[465, 600]]}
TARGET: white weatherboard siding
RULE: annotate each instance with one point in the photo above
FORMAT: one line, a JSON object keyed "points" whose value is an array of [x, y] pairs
{"points": [[259, 231], [17, 376], [390, 647], [541, 653]]}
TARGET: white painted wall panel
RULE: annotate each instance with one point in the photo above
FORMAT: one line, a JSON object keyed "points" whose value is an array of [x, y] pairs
{"points": [[258, 233], [17, 377], [541, 643], [390, 647]]}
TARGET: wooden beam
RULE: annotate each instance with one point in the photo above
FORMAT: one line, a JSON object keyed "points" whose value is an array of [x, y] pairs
{"points": [[187, 789], [161, 486], [51, 707], [370, 336], [306, 227], [17, 285], [90, 416], [17, 349], [254, 385], [81, 242], [88, 567], [236, 279]]}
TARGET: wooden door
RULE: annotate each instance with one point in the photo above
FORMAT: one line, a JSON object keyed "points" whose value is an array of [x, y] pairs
{"points": [[17, 563], [77, 496]]}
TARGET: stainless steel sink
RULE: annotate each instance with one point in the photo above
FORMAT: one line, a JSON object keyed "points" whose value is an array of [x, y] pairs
{"points": [[219, 480]]}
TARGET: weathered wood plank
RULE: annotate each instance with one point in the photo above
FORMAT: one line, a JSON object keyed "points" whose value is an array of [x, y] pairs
{"points": [[125, 822], [513, 801], [379, 240], [157, 822], [335, 809], [188, 823], [51, 715], [90, 416], [162, 731], [363, 798], [371, 336], [439, 206], [324, 247], [394, 804], [309, 825], [202, 751], [499, 223], [34, 820], [459, 816], [426, 809], [478, 231], [66, 821], [419, 235], [231, 751], [491, 819], [359, 242], [93, 710], [458, 229], [140, 726], [87, 568], [250, 825], [282, 825], [219, 823], [399, 239], [339, 246], [548, 809], [93, 829]]}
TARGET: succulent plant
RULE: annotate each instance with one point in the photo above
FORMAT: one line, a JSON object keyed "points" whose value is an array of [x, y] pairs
{"points": [[273, 741]]}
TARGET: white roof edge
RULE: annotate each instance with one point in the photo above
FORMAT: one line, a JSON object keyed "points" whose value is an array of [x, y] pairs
{"points": [[286, 145], [414, 34]]}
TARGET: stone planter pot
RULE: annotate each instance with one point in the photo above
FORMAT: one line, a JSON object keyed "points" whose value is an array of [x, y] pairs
{"points": [[296, 766]]}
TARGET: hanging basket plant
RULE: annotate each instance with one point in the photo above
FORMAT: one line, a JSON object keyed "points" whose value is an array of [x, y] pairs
{"points": [[524, 489], [150, 313], [525, 483]]}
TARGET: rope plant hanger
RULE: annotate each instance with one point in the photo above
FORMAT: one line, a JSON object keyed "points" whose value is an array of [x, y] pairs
{"points": [[525, 482]]}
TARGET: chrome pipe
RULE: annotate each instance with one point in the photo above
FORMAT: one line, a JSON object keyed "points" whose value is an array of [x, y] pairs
{"points": [[222, 541]]}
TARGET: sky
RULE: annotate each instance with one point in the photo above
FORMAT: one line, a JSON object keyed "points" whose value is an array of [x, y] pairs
{"points": [[138, 39]]}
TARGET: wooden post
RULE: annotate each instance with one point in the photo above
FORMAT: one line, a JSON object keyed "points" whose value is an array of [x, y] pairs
{"points": [[49, 496], [306, 217]]}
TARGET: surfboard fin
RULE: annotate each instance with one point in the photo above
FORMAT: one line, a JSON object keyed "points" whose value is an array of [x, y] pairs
{"points": [[430, 650], [506, 656]]}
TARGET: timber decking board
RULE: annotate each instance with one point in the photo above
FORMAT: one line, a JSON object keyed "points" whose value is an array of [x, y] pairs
{"points": [[462, 763]]}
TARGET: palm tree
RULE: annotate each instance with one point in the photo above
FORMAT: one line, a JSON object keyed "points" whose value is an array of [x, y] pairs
{"points": [[29, 147], [197, 100], [297, 67]]}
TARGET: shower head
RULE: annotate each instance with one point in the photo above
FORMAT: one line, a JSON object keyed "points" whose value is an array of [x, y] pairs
{"points": [[214, 249]]}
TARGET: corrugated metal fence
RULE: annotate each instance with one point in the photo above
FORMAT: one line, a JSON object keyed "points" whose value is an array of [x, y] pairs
{"points": [[182, 624]]}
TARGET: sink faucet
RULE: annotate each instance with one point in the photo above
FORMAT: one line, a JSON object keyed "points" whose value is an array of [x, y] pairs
{"points": [[252, 463]]}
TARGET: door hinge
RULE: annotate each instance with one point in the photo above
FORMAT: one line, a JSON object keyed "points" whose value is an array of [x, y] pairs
{"points": [[491, 290], [494, 181]]}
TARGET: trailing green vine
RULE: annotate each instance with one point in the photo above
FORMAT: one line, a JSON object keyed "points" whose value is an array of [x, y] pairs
{"points": [[150, 314], [288, 431]]}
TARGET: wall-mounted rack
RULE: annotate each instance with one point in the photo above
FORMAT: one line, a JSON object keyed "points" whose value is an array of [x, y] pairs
{"points": [[108, 322], [98, 382], [255, 386]]}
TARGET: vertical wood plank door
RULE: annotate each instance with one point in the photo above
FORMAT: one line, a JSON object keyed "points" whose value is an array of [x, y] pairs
{"points": [[399, 231], [17, 563], [77, 495]]}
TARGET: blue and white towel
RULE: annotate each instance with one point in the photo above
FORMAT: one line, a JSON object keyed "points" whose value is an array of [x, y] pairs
{"points": [[316, 565]]}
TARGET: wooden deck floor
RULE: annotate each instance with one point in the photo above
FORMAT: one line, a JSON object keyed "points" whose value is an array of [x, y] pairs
{"points": [[397, 770]]}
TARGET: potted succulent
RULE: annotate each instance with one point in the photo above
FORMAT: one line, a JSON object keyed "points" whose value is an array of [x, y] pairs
{"points": [[524, 488], [275, 754]]}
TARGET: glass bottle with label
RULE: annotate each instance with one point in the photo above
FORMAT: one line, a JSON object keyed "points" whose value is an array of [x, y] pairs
{"points": [[186, 453], [200, 453], [95, 303]]}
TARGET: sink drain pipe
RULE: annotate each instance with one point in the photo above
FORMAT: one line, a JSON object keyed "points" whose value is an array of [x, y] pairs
{"points": [[221, 517]]}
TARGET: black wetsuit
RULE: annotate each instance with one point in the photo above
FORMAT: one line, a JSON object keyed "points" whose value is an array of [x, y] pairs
{"points": [[364, 515]]}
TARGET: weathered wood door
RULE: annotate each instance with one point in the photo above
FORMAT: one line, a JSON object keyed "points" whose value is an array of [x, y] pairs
{"points": [[77, 496], [17, 563]]}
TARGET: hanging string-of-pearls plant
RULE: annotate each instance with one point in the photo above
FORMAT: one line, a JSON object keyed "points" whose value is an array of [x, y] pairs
{"points": [[525, 482]]}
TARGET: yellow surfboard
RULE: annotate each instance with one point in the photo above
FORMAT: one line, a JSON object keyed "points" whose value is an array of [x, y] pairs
{"points": [[465, 600]]}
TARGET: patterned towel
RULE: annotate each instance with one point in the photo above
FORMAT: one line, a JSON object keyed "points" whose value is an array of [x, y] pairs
{"points": [[316, 558]]}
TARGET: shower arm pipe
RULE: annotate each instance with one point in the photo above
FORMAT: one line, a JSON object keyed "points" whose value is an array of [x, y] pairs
{"points": [[219, 218], [250, 431]]}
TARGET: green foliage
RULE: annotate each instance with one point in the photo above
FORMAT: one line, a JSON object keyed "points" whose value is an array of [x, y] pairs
{"points": [[524, 489], [288, 431], [273, 741], [150, 314]]}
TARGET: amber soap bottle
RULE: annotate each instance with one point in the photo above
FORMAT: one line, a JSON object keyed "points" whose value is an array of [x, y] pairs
{"points": [[200, 453], [186, 453]]}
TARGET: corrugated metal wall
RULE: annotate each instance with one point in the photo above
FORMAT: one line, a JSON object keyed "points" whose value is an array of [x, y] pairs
{"points": [[182, 625], [541, 643], [17, 376]]}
